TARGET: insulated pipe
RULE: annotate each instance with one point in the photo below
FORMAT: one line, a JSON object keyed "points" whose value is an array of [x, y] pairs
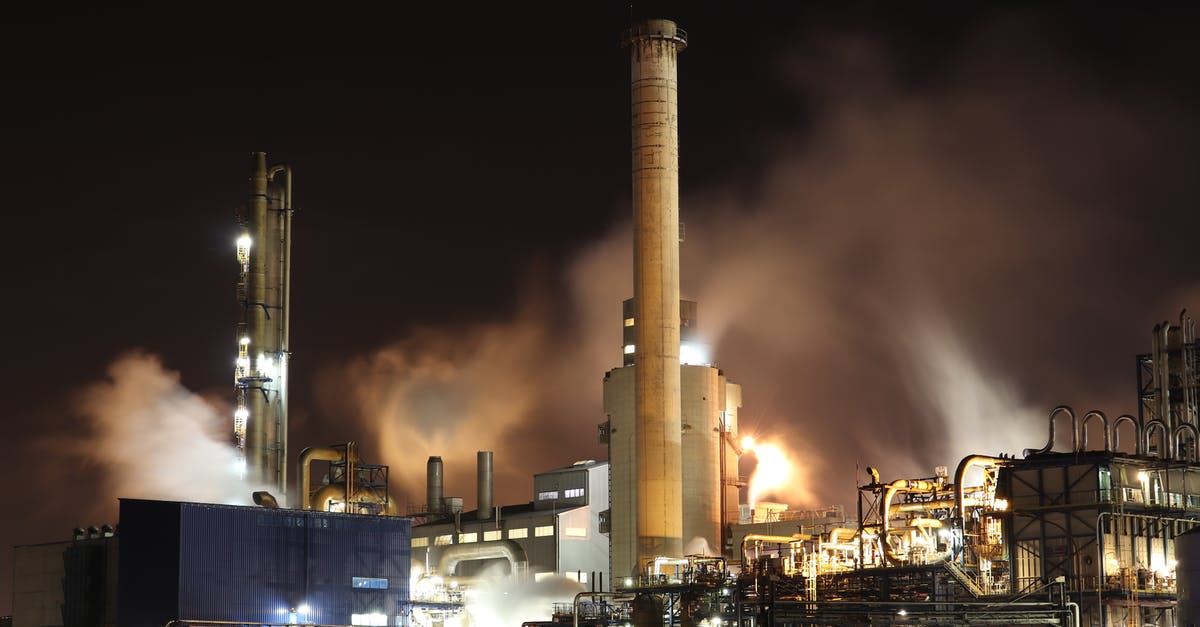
{"points": [[484, 484], [901, 485], [307, 457], [260, 432], [1178, 441], [285, 307], [758, 537], [1116, 432], [1165, 451], [433, 484], [959, 476], [455, 554], [1103, 422], [1050, 443], [654, 47]]}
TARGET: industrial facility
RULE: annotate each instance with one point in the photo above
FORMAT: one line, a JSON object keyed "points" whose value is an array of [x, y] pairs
{"points": [[1081, 530]]}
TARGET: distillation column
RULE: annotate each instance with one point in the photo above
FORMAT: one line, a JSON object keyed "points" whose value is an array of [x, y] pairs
{"points": [[264, 253], [654, 47]]}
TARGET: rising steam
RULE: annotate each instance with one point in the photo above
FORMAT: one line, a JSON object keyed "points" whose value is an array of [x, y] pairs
{"points": [[155, 439]]}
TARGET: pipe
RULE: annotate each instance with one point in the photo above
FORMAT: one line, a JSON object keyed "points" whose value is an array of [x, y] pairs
{"points": [[307, 457], [1177, 444], [759, 537], [620, 596], [285, 307], [1165, 451], [1050, 443], [483, 460], [455, 554], [960, 474], [433, 484], [1103, 422], [1116, 432]]}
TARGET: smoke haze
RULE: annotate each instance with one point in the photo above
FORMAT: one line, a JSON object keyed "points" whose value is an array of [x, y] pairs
{"points": [[918, 276]]}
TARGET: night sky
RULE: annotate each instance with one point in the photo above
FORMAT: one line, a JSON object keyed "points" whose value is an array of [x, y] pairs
{"points": [[912, 230]]}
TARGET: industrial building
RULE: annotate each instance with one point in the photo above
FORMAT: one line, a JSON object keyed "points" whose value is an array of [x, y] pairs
{"points": [[709, 405], [560, 531]]}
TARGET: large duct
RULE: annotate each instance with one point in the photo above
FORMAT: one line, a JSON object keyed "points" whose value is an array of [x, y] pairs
{"points": [[484, 484], [654, 47], [510, 550], [433, 484]]}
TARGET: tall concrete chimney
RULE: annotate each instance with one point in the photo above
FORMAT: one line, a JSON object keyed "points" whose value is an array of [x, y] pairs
{"points": [[654, 48], [483, 460]]}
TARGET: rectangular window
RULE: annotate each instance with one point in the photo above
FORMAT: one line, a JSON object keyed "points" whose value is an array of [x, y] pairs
{"points": [[575, 532], [630, 348], [443, 540], [420, 542], [629, 322], [369, 620], [489, 536], [514, 534], [547, 496], [574, 575], [468, 538], [573, 493], [543, 531], [369, 583], [1193, 500]]}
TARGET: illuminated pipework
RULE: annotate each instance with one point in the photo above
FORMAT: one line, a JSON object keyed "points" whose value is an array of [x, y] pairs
{"points": [[263, 255]]}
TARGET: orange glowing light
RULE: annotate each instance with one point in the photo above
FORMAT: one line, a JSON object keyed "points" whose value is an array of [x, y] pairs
{"points": [[774, 471], [747, 444]]}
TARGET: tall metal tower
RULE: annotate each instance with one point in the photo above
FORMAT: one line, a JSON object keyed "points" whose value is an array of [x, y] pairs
{"points": [[261, 371]]}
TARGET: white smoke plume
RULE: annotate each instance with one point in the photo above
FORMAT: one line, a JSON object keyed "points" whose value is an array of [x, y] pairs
{"points": [[155, 439]]}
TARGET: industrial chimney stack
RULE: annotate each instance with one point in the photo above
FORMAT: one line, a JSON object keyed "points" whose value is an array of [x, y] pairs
{"points": [[261, 371], [484, 484], [654, 46]]}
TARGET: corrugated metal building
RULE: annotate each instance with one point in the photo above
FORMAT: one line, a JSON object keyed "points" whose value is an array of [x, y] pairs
{"points": [[202, 562]]}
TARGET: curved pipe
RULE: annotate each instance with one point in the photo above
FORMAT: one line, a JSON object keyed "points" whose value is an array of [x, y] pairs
{"points": [[1116, 432], [307, 457], [1050, 442], [901, 485], [456, 554], [1178, 442], [320, 500], [1095, 413], [760, 537], [961, 472], [1165, 451]]}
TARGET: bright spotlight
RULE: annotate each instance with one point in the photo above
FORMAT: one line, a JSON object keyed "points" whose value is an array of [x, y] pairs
{"points": [[747, 444], [243, 241]]}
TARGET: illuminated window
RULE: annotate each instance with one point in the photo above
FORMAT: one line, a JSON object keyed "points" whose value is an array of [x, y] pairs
{"points": [[543, 531], [420, 542], [369, 620], [369, 583], [542, 576], [629, 322], [629, 348], [488, 536], [514, 534], [443, 540], [573, 493], [575, 532], [468, 538], [547, 496], [581, 577]]}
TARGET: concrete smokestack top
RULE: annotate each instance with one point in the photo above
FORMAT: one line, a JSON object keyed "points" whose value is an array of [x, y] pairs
{"points": [[655, 29]]}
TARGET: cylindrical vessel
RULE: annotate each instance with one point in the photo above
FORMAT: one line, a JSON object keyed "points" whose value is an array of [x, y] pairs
{"points": [[654, 46], [433, 484], [1187, 578], [484, 484], [260, 426]]}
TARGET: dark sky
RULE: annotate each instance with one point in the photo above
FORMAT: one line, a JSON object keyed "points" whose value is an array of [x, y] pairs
{"points": [[904, 219]]}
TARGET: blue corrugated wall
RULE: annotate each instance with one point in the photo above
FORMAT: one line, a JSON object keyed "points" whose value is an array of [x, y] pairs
{"points": [[255, 565]]}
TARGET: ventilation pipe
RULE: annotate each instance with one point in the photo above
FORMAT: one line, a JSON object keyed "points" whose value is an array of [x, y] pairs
{"points": [[1050, 443], [484, 481], [433, 484], [307, 457]]}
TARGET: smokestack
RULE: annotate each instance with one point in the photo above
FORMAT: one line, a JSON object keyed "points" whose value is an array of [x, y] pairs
{"points": [[654, 47], [484, 482], [433, 484]]}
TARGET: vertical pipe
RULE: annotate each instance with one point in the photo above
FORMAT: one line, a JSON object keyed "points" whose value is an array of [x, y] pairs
{"points": [[654, 46], [483, 477], [260, 431], [433, 484], [282, 327]]}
